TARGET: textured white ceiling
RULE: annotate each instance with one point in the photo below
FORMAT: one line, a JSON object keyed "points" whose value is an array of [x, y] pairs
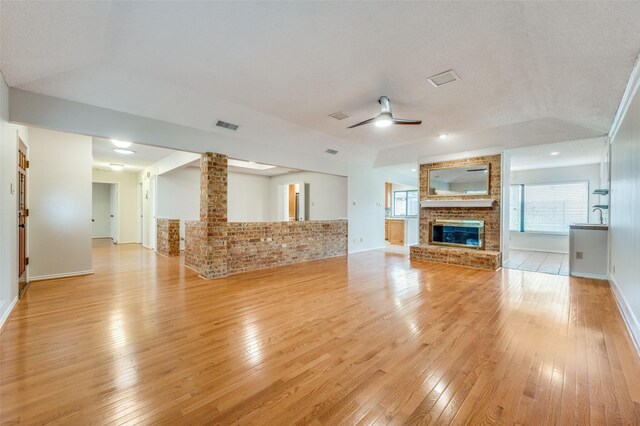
{"points": [[532, 73], [572, 153]]}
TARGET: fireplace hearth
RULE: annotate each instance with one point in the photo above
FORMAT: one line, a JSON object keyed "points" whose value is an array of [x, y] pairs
{"points": [[458, 233]]}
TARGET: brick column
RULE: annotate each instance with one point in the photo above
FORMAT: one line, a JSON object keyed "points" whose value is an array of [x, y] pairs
{"points": [[168, 237], [213, 214]]}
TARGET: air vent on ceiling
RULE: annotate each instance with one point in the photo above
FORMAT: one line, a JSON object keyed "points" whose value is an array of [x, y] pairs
{"points": [[331, 151], [443, 78], [226, 125], [339, 115]]}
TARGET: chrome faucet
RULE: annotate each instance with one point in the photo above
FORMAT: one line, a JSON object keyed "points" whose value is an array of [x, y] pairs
{"points": [[600, 210]]}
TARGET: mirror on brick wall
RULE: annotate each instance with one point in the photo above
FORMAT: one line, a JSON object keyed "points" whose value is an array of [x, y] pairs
{"points": [[456, 181]]}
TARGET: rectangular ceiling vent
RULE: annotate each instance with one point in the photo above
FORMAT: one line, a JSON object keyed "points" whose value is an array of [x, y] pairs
{"points": [[339, 115], [226, 125], [331, 151], [443, 78]]}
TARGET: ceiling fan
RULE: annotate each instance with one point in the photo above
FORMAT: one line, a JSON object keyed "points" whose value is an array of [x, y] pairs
{"points": [[385, 118]]}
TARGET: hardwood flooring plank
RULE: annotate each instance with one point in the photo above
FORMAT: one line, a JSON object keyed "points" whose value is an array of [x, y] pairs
{"points": [[372, 338]]}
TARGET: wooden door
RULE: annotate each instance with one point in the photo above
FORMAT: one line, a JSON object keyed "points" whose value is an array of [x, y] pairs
{"points": [[23, 212]]}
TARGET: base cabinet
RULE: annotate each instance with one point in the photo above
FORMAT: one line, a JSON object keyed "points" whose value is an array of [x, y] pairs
{"points": [[396, 231]]}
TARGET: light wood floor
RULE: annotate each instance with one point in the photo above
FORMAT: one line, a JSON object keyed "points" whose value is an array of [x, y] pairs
{"points": [[372, 338], [539, 261]]}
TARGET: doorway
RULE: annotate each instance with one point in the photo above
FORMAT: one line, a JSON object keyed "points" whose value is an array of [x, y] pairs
{"points": [[402, 207], [293, 202], [23, 213], [105, 211], [140, 214]]}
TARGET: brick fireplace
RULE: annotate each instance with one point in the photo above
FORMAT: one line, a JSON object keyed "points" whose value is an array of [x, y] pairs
{"points": [[461, 249]]}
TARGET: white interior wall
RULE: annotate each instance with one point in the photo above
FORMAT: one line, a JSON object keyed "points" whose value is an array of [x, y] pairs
{"points": [[547, 242], [127, 212], [624, 226], [60, 204], [327, 194], [100, 209], [365, 206], [248, 197], [9, 204], [178, 196], [146, 181]]}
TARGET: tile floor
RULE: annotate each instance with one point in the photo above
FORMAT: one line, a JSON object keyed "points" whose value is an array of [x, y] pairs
{"points": [[539, 261]]}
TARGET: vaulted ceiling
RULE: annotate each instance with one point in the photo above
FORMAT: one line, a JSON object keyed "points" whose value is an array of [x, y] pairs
{"points": [[531, 73]]}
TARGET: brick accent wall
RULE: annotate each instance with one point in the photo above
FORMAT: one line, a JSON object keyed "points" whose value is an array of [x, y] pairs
{"points": [[216, 248], [257, 245], [213, 214], [168, 236], [490, 216]]}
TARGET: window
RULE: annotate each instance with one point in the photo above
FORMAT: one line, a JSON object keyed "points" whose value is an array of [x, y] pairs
{"points": [[405, 203], [548, 208]]}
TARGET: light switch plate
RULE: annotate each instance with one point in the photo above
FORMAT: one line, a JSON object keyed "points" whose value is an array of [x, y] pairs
{"points": [[13, 189]]}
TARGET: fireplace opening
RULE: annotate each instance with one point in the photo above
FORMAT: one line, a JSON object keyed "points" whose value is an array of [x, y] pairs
{"points": [[460, 233]]}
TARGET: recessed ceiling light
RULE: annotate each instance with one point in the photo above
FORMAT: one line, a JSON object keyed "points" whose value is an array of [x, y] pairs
{"points": [[117, 167], [554, 153], [120, 144], [413, 170], [249, 164], [443, 135], [124, 151]]}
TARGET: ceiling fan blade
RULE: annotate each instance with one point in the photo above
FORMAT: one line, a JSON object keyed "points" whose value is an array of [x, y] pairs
{"points": [[362, 123], [406, 122]]}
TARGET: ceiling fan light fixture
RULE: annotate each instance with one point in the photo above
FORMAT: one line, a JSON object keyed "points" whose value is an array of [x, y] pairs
{"points": [[384, 120], [120, 144]]}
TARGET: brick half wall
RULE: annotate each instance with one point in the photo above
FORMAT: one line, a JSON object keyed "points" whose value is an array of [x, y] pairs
{"points": [[258, 245], [168, 237]]}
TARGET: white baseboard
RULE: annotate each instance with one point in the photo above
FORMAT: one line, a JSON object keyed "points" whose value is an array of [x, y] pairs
{"points": [[6, 314], [127, 242], [65, 275], [367, 249], [543, 251], [592, 276], [632, 323]]}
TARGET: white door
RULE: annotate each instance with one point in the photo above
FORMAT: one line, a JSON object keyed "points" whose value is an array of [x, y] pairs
{"points": [[140, 214], [101, 209], [113, 210], [152, 212]]}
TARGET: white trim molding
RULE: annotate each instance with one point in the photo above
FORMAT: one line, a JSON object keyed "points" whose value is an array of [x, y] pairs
{"points": [[65, 275], [5, 317], [627, 97], [630, 320], [488, 202]]}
